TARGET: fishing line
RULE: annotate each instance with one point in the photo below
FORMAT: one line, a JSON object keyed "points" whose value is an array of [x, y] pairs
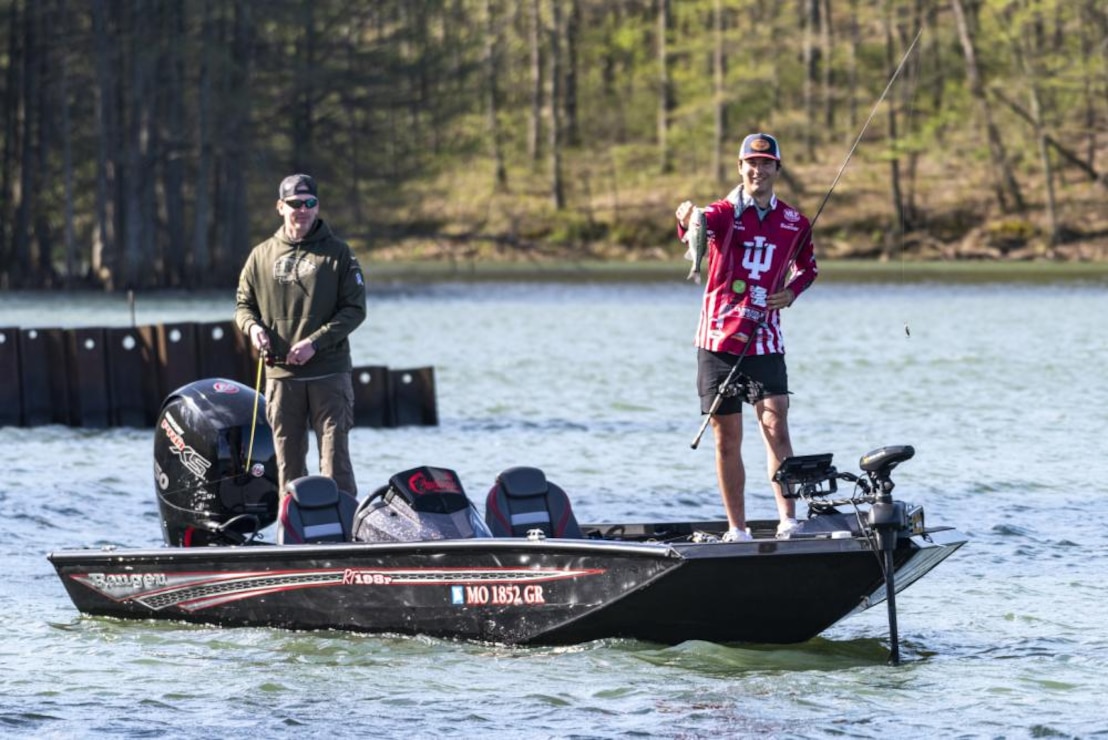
{"points": [[800, 237], [911, 100], [254, 416], [872, 113]]}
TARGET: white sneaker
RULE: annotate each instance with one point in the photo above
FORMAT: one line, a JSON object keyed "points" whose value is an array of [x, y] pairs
{"points": [[786, 527], [736, 535]]}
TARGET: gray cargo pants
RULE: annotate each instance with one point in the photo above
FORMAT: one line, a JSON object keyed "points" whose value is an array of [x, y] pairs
{"points": [[325, 405]]}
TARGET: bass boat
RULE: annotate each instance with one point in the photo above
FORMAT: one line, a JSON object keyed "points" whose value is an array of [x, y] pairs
{"points": [[416, 556]]}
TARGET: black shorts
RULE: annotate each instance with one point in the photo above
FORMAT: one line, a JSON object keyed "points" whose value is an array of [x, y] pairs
{"points": [[759, 377]]}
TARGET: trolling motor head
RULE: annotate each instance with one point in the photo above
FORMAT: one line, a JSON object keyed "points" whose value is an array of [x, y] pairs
{"points": [[887, 517], [879, 463], [207, 495]]}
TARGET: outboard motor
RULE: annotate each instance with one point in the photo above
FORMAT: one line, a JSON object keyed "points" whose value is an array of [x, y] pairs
{"points": [[201, 443], [420, 504]]}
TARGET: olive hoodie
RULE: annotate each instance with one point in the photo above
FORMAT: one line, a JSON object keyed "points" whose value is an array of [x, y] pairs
{"points": [[312, 289]]}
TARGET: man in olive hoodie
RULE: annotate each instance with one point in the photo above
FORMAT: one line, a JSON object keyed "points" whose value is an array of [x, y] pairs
{"points": [[300, 295]]}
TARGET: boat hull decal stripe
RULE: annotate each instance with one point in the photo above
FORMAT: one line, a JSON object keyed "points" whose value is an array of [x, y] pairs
{"points": [[197, 591]]}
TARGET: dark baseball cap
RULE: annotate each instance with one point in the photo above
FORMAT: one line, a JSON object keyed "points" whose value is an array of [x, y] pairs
{"points": [[760, 145], [297, 185]]}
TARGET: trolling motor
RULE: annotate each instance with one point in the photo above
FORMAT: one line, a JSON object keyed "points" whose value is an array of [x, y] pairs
{"points": [[813, 478], [887, 517]]}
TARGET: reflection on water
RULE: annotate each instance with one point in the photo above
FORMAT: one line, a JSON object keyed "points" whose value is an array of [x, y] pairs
{"points": [[996, 386]]}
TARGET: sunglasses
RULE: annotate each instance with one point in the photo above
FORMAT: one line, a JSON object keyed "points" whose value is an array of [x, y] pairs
{"points": [[296, 203]]}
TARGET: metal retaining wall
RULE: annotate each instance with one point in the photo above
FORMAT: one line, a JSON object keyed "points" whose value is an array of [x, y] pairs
{"points": [[107, 377]]}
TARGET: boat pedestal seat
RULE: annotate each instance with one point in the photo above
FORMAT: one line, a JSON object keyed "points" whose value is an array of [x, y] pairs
{"points": [[315, 510], [522, 500]]}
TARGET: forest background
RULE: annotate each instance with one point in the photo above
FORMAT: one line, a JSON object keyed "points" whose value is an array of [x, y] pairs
{"points": [[143, 140]]}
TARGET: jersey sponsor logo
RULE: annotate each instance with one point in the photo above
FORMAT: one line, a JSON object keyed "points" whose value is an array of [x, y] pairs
{"points": [[791, 214]]}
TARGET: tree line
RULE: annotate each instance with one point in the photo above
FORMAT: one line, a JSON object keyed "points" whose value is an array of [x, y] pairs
{"points": [[143, 140]]}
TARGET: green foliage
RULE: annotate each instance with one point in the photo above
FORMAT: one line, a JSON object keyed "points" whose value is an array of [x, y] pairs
{"points": [[1011, 233], [574, 228], [200, 108]]}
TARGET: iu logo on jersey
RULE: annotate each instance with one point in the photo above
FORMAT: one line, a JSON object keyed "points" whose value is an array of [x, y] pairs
{"points": [[758, 257]]}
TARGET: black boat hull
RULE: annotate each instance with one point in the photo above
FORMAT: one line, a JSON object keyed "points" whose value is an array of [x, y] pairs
{"points": [[511, 591]]}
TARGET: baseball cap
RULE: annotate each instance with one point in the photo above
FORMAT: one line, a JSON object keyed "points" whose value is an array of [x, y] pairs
{"points": [[297, 185], [760, 145]]}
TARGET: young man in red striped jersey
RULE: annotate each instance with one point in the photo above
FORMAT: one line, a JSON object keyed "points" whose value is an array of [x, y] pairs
{"points": [[760, 258]]}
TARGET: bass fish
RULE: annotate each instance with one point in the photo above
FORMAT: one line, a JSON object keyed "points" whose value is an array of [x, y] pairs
{"points": [[697, 240]]}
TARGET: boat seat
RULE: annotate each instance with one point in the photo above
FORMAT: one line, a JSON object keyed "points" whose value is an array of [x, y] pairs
{"points": [[315, 510], [523, 499]]}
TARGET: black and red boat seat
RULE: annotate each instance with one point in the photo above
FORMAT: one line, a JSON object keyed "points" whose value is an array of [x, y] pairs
{"points": [[522, 499], [315, 510]]}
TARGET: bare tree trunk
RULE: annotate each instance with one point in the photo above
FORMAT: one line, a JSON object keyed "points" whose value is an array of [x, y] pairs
{"points": [[720, 162], [135, 170], [201, 261], [7, 168], [1004, 181], [1094, 29], [665, 89], [573, 41], [534, 132], [811, 54], [610, 70], [852, 65], [923, 17], [557, 182], [105, 249], [22, 267], [826, 42], [44, 144], [71, 256], [172, 112], [897, 232], [236, 151], [1025, 57], [492, 94], [303, 120]]}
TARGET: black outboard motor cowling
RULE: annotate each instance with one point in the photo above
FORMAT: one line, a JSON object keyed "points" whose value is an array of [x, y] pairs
{"points": [[201, 442]]}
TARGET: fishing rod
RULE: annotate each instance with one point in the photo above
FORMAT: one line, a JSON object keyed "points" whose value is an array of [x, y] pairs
{"points": [[725, 387], [858, 140]]}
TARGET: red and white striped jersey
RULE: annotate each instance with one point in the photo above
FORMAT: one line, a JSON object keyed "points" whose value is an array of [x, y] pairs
{"points": [[750, 258]]}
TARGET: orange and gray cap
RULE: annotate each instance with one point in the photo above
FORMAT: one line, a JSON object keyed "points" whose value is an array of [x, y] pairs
{"points": [[760, 145]]}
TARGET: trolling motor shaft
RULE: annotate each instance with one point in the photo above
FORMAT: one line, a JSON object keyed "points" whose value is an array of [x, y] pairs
{"points": [[887, 518]]}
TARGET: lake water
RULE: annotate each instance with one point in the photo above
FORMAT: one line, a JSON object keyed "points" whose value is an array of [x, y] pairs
{"points": [[1001, 388]]}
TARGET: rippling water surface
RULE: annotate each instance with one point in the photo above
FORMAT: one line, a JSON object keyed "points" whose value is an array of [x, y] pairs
{"points": [[1001, 389]]}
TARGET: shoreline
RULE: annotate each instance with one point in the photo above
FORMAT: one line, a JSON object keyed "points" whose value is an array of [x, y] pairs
{"points": [[866, 271]]}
